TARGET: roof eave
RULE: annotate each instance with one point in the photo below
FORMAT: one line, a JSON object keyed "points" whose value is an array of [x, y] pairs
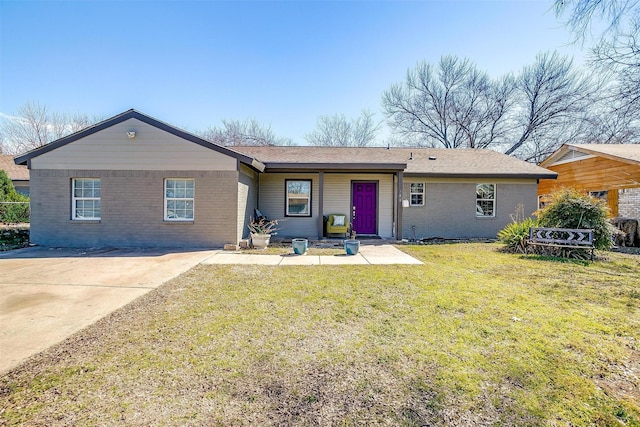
{"points": [[334, 167], [551, 175], [133, 114]]}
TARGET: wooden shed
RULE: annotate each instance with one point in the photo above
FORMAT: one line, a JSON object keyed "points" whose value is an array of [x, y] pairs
{"points": [[607, 171]]}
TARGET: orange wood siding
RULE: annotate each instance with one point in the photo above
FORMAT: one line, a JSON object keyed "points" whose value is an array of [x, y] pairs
{"points": [[593, 174], [612, 202]]}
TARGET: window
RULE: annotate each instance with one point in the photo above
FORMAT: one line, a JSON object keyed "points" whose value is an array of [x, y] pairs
{"points": [[85, 199], [298, 198], [416, 191], [178, 199], [485, 200], [543, 200], [600, 195]]}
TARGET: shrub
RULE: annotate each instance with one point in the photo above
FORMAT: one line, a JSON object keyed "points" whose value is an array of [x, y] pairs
{"points": [[14, 207], [569, 208], [515, 234], [13, 238]]}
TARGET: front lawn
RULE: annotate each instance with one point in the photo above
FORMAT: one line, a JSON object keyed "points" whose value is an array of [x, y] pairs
{"points": [[473, 337]]}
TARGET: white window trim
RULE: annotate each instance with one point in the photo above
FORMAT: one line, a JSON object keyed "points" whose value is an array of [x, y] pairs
{"points": [[74, 199], [495, 195], [308, 198], [192, 199], [424, 188]]}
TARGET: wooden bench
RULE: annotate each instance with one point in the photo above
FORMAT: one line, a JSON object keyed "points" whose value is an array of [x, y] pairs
{"points": [[561, 238]]}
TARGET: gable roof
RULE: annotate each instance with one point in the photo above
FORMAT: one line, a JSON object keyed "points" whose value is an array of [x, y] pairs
{"points": [[626, 153], [15, 172], [133, 114], [429, 162]]}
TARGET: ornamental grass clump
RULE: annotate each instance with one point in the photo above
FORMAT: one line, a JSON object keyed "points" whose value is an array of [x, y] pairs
{"points": [[263, 226], [570, 208], [514, 235]]}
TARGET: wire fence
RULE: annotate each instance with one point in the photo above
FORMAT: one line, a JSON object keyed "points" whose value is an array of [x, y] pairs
{"points": [[14, 212]]}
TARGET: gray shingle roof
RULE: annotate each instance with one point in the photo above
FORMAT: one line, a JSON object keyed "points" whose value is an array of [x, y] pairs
{"points": [[434, 162], [623, 151], [15, 172]]}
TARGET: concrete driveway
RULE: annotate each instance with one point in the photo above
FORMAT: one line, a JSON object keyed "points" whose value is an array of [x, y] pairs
{"points": [[47, 294]]}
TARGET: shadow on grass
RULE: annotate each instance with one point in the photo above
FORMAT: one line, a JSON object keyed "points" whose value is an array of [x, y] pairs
{"points": [[563, 260]]}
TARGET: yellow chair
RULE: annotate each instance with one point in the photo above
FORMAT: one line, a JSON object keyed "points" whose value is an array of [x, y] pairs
{"points": [[338, 224]]}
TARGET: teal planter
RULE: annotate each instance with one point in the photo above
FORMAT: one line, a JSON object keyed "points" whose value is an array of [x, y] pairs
{"points": [[351, 247], [300, 246]]}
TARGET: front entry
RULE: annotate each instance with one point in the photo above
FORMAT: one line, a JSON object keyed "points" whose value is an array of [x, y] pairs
{"points": [[364, 207]]}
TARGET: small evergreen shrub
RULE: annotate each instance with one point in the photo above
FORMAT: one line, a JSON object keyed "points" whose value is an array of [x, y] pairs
{"points": [[13, 238], [515, 234], [570, 208], [14, 207]]}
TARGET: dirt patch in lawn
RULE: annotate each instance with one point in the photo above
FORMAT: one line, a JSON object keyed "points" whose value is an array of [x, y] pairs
{"points": [[623, 381]]}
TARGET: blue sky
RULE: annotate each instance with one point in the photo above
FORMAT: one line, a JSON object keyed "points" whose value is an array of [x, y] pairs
{"points": [[284, 63]]}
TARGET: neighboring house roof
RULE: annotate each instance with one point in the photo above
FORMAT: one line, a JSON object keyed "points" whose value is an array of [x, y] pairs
{"points": [[430, 162], [15, 172], [627, 153], [133, 114]]}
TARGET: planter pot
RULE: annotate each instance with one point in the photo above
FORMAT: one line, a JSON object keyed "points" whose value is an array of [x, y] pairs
{"points": [[300, 246], [351, 247], [260, 241]]}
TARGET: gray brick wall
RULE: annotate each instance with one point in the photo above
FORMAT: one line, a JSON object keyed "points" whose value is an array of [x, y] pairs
{"points": [[247, 200], [133, 210], [629, 203], [450, 210]]}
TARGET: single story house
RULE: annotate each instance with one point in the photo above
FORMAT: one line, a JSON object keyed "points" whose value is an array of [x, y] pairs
{"points": [[18, 174], [607, 171], [133, 180]]}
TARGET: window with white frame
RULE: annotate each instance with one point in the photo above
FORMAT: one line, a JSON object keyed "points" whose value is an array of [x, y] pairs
{"points": [[416, 193], [178, 199], [298, 199], [485, 200], [85, 199]]}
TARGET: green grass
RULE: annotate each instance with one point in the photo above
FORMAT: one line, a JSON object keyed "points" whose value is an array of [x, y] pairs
{"points": [[472, 337]]}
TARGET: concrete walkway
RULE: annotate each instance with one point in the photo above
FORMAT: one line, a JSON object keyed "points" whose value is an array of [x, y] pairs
{"points": [[47, 294], [368, 255]]}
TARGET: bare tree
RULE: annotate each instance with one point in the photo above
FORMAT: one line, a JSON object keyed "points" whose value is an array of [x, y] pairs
{"points": [[34, 126], [247, 132], [617, 50], [616, 15], [337, 131], [453, 105], [552, 94]]}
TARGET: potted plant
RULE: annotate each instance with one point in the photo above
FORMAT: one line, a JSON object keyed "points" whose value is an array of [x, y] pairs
{"points": [[351, 245], [261, 231]]}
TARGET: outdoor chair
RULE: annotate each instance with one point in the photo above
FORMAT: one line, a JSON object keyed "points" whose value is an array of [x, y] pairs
{"points": [[338, 224]]}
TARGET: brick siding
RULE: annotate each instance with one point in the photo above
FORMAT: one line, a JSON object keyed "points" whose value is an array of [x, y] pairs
{"points": [[629, 203], [133, 210], [450, 210]]}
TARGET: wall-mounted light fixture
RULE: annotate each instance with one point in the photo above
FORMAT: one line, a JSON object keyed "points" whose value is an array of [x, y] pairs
{"points": [[131, 134]]}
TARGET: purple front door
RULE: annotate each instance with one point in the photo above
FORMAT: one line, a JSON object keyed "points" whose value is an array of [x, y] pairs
{"points": [[363, 214]]}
